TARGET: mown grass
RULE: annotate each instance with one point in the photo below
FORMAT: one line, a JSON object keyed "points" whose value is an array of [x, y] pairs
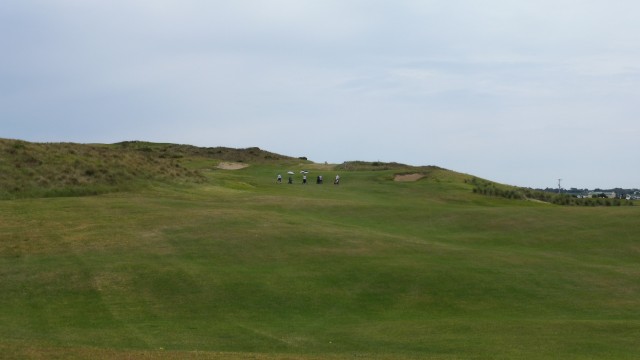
{"points": [[239, 267]]}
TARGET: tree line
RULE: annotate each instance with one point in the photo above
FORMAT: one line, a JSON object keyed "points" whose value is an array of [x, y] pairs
{"points": [[489, 188]]}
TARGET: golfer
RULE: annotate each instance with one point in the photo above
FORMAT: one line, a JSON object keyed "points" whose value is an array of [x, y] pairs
{"points": [[279, 179], [337, 181]]}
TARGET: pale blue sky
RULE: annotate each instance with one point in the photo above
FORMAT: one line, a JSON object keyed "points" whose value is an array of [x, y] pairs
{"points": [[520, 92]]}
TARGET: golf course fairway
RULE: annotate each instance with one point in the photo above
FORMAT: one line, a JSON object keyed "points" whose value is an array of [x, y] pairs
{"points": [[236, 266]]}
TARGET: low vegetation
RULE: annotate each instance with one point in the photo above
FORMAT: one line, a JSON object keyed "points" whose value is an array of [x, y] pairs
{"points": [[197, 262], [490, 188], [67, 169]]}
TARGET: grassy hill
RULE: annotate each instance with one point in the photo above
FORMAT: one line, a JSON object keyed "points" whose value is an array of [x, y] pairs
{"points": [[67, 169], [204, 263]]}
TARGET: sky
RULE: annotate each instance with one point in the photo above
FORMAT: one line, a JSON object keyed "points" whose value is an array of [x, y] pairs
{"points": [[519, 92]]}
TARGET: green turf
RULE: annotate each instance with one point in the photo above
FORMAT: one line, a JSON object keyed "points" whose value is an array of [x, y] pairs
{"points": [[237, 266]]}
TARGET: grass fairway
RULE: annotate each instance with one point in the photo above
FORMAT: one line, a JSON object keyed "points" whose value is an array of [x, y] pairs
{"points": [[239, 267]]}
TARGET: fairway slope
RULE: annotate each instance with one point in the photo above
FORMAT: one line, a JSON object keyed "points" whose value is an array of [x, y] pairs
{"points": [[230, 264]]}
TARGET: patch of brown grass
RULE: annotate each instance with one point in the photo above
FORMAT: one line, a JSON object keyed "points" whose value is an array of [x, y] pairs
{"points": [[14, 350]]}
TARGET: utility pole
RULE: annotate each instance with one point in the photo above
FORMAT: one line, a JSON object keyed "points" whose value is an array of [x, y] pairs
{"points": [[559, 187]]}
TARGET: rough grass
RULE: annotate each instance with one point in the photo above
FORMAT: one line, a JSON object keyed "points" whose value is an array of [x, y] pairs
{"points": [[67, 169], [239, 267]]}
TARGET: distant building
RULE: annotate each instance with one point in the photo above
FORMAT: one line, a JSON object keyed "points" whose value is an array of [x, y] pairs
{"points": [[607, 194]]}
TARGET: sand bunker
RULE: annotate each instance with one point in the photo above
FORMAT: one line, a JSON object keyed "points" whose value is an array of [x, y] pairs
{"points": [[408, 177], [231, 166]]}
